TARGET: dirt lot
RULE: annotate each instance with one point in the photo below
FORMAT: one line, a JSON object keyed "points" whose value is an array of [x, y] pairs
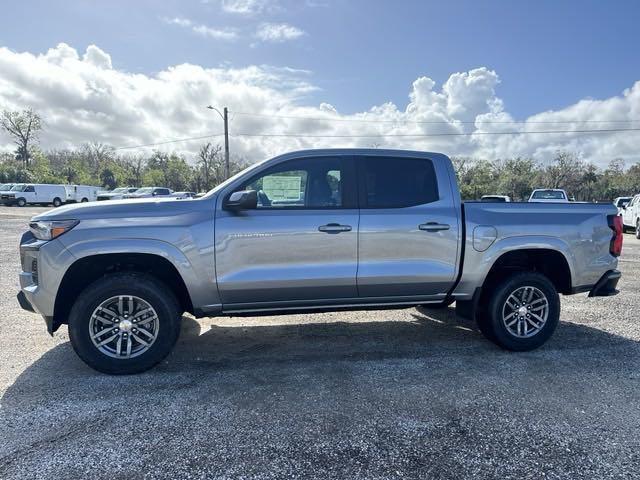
{"points": [[388, 394]]}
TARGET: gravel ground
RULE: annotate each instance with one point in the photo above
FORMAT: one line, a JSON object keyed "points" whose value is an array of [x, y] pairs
{"points": [[386, 394]]}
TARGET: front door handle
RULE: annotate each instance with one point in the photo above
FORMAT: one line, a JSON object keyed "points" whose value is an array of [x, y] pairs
{"points": [[334, 228], [433, 226]]}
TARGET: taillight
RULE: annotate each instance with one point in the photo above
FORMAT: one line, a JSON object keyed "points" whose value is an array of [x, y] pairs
{"points": [[615, 224]]}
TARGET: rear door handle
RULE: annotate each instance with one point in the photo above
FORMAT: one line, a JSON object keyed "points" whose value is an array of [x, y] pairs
{"points": [[334, 228], [433, 226]]}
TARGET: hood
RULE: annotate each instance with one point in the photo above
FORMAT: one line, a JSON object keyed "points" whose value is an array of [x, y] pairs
{"points": [[146, 207]]}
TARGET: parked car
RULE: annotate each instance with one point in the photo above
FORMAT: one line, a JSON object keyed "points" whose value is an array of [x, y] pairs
{"points": [[116, 193], [621, 202], [81, 193], [549, 195], [23, 194], [295, 233], [148, 192], [495, 198], [631, 215], [184, 195]]}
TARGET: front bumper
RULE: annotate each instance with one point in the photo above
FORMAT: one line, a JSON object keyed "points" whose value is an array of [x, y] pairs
{"points": [[606, 286], [25, 304], [43, 265]]}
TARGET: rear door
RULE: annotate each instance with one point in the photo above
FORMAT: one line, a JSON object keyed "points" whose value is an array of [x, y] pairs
{"points": [[300, 245], [409, 227]]}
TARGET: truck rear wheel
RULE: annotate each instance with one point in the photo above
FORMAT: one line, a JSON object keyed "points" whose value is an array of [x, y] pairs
{"points": [[522, 313], [124, 323], [57, 202]]}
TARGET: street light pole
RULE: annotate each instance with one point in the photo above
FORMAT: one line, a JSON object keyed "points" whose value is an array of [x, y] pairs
{"points": [[225, 118]]}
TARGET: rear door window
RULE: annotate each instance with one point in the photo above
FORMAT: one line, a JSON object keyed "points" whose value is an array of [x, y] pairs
{"points": [[396, 182]]}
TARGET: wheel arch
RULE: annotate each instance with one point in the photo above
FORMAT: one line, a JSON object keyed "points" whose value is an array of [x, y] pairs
{"points": [[549, 261], [87, 269]]}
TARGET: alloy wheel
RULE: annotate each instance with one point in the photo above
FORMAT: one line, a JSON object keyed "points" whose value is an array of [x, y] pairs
{"points": [[124, 326], [525, 312]]}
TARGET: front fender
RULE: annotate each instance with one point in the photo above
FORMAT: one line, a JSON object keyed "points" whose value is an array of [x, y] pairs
{"points": [[201, 291]]}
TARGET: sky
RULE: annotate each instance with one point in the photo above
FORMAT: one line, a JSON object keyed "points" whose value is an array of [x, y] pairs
{"points": [[128, 73]]}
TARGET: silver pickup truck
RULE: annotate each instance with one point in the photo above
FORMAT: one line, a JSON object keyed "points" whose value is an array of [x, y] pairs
{"points": [[318, 230]]}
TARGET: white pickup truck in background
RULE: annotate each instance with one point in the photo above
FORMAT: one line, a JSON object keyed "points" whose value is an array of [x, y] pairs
{"points": [[631, 215], [549, 195]]}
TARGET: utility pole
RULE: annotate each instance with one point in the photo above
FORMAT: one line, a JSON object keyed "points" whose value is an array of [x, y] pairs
{"points": [[225, 118], [227, 174]]}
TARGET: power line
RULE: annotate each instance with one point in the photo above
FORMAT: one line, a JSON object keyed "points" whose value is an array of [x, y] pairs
{"points": [[378, 135], [432, 122], [420, 135], [170, 141]]}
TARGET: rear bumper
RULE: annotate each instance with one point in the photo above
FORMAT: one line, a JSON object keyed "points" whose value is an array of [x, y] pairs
{"points": [[606, 286]]}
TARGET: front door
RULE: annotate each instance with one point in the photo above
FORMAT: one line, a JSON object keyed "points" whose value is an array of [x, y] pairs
{"points": [[409, 228], [299, 245]]}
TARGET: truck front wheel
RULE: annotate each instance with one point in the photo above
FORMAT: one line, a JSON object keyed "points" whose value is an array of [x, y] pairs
{"points": [[522, 313], [124, 323]]}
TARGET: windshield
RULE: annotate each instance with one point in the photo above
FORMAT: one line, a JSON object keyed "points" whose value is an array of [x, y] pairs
{"points": [[233, 178], [622, 202], [18, 188], [5, 186], [549, 195], [145, 190]]}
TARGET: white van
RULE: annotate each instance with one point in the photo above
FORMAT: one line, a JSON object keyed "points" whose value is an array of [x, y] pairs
{"points": [[81, 193], [23, 194]]}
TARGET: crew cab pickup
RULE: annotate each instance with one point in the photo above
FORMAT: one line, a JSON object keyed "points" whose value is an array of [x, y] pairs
{"points": [[311, 231]]}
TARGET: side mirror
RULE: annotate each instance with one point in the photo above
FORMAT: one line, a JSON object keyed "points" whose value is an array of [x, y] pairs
{"points": [[242, 200]]}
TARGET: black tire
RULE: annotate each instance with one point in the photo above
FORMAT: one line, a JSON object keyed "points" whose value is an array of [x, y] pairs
{"points": [[491, 322], [638, 229], [22, 202], [84, 200], [57, 202], [145, 287], [438, 306]]}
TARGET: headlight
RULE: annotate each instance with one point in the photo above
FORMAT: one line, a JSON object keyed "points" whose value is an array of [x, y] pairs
{"points": [[48, 230]]}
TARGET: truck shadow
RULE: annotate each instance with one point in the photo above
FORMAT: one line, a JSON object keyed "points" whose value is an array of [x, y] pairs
{"points": [[435, 337]]}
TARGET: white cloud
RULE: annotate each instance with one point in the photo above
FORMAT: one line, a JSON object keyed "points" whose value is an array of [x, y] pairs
{"points": [[82, 98], [244, 7], [203, 30], [278, 32]]}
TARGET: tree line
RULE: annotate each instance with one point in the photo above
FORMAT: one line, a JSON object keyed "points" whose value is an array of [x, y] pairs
{"points": [[102, 165]]}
